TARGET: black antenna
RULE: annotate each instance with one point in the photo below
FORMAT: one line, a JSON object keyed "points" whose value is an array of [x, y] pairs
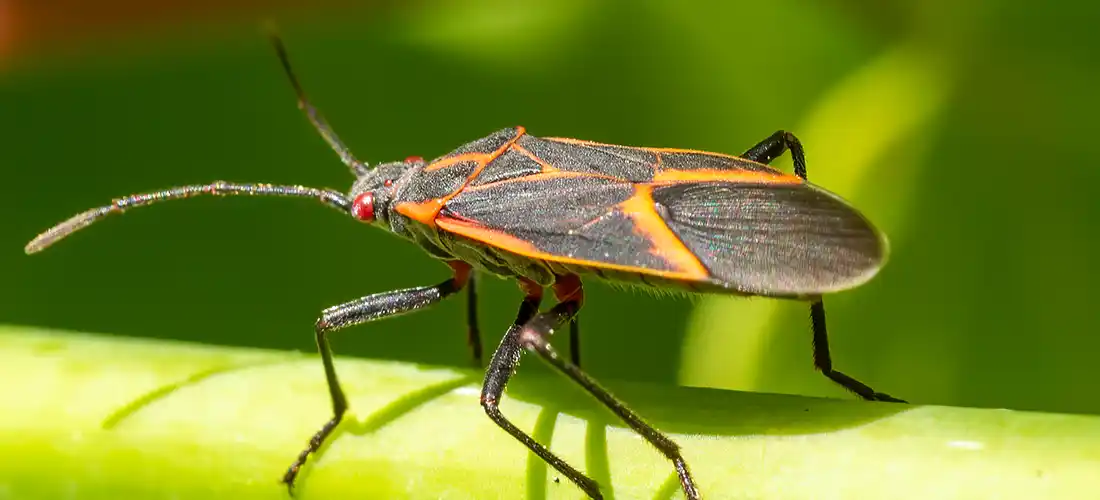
{"points": [[82, 220], [357, 167], [219, 188]]}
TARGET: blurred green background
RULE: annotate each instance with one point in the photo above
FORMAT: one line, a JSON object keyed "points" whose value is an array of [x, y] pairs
{"points": [[964, 130]]}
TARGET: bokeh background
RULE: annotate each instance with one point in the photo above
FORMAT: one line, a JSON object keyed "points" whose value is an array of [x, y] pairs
{"points": [[965, 130]]}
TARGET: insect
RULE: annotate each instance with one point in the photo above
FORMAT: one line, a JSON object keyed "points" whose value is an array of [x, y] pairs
{"points": [[544, 211]]}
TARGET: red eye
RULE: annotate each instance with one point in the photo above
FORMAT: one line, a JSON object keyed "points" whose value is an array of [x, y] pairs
{"points": [[363, 207], [388, 183], [414, 159]]}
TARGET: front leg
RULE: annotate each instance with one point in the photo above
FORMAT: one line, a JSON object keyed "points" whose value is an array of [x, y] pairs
{"points": [[363, 310]]}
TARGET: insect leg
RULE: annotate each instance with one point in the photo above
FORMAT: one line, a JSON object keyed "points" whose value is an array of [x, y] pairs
{"points": [[357, 167], [473, 330], [824, 362], [768, 149], [567, 289], [501, 368], [575, 341], [535, 337], [532, 332], [363, 310], [764, 152]]}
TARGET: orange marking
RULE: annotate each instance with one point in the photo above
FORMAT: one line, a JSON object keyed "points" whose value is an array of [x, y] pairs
{"points": [[546, 167], [530, 289], [666, 245], [426, 211], [581, 142], [462, 272], [673, 176], [423, 212], [657, 151], [568, 287], [695, 152], [462, 158], [517, 246], [489, 158]]}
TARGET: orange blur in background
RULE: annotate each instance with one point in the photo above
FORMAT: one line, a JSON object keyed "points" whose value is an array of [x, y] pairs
{"points": [[30, 27]]}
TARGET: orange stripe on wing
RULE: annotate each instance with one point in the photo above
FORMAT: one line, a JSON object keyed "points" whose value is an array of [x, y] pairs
{"points": [[580, 142], [426, 211], [454, 160], [666, 245], [695, 152], [423, 212], [519, 246], [546, 167], [672, 176], [490, 157]]}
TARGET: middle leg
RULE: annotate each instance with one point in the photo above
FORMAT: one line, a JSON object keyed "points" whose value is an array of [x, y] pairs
{"points": [[531, 332], [473, 329]]}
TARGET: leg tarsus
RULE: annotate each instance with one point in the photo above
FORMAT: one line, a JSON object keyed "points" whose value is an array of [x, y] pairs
{"points": [[590, 487], [824, 363], [859, 388], [315, 443]]}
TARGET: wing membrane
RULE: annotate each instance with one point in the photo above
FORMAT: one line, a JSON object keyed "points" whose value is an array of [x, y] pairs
{"points": [[776, 239]]}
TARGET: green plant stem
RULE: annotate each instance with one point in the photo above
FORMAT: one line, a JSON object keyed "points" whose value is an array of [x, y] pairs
{"points": [[89, 416]]}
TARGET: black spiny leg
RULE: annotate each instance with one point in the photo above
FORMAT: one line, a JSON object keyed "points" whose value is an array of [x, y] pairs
{"points": [[575, 341], [768, 149], [531, 332], [824, 362], [764, 152], [564, 291], [363, 310], [501, 368], [473, 330]]}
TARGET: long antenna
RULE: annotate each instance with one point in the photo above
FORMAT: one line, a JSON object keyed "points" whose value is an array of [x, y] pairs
{"points": [[82, 220], [219, 188], [357, 167]]}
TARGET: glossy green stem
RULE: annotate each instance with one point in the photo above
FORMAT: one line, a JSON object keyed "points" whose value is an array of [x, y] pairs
{"points": [[92, 416]]}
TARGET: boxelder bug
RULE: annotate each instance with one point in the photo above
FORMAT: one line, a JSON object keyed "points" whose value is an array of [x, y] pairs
{"points": [[544, 210]]}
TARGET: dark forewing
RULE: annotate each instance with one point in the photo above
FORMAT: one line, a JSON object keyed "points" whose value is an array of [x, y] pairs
{"points": [[679, 214], [775, 239], [529, 155], [565, 217], [632, 164]]}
